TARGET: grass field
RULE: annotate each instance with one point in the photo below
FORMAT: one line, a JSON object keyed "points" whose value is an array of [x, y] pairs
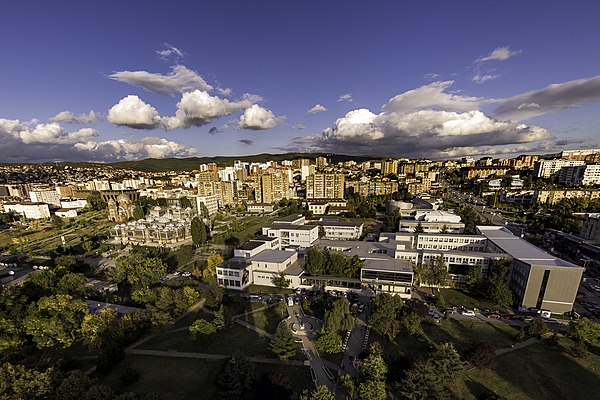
{"points": [[233, 340], [459, 298], [172, 378], [539, 372], [182, 378], [267, 320]]}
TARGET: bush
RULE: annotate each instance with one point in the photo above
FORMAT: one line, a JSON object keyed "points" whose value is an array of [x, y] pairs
{"points": [[482, 355]]}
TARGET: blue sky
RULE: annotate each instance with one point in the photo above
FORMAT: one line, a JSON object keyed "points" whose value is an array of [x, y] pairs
{"points": [[436, 79]]}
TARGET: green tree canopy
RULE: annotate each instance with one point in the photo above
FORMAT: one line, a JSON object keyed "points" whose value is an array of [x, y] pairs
{"points": [[384, 318], [55, 320], [137, 271], [284, 344]]}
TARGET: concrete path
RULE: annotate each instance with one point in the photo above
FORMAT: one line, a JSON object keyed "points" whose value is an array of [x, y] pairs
{"points": [[517, 346], [208, 356]]}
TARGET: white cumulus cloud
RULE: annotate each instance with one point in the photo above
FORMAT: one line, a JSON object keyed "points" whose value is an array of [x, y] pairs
{"points": [[258, 118], [133, 112], [345, 97], [426, 121], [498, 54], [168, 52], [69, 116], [33, 142], [200, 108], [317, 108], [180, 80]]}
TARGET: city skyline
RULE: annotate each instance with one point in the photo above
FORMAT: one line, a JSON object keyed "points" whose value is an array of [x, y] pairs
{"points": [[97, 82]]}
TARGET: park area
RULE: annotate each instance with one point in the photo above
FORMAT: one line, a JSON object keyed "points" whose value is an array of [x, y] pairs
{"points": [[174, 365]]}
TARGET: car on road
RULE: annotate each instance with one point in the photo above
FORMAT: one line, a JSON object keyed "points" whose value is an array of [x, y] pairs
{"points": [[296, 300], [467, 313], [493, 316]]}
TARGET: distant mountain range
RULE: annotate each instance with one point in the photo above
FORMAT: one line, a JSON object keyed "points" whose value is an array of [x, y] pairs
{"points": [[192, 163]]}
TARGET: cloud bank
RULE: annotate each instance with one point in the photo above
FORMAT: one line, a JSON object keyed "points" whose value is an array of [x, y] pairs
{"points": [[180, 80], [32, 142]]}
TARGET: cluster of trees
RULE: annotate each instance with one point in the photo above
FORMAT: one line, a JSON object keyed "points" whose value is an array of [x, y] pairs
{"points": [[333, 263], [584, 332], [434, 273], [238, 381], [470, 218], [203, 331], [390, 317], [492, 286], [429, 379], [370, 383], [20, 382], [284, 344], [337, 320]]}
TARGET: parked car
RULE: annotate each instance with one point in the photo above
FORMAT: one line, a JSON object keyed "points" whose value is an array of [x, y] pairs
{"points": [[467, 313], [493, 316]]}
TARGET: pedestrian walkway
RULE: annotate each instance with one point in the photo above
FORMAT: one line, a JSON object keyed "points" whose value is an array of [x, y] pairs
{"points": [[517, 346], [209, 356]]}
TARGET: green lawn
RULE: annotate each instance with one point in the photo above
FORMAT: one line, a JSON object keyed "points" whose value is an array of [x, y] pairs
{"points": [[233, 340], [463, 333], [539, 372], [267, 320], [459, 298], [172, 378]]}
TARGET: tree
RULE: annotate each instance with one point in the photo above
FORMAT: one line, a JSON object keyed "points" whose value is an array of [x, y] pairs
{"points": [[372, 390], [137, 271], [223, 318], [437, 273], [348, 384], [419, 228], [74, 387], [274, 385], [495, 285], [198, 230], [315, 261], [280, 281], [320, 393], [213, 295], [237, 379], [374, 367], [283, 344], [411, 322], [95, 203], [446, 362], [338, 318], [384, 318], [55, 320], [96, 328], [583, 330], [474, 280], [72, 284], [202, 331], [482, 355], [329, 342], [138, 212], [213, 261], [21, 383]]}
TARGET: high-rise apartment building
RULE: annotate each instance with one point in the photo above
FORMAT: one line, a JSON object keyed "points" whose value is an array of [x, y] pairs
{"points": [[272, 187], [389, 167], [325, 186]]}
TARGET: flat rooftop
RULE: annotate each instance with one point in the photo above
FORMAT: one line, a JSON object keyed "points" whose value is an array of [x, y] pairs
{"points": [[521, 249], [288, 219], [292, 227], [276, 256], [250, 245], [391, 265], [235, 263], [264, 238], [350, 248], [339, 223]]}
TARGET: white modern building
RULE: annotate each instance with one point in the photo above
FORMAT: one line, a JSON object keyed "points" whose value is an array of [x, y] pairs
{"points": [[73, 203], [210, 202], [432, 221], [547, 168], [29, 210], [45, 196], [292, 232], [582, 175], [340, 230]]}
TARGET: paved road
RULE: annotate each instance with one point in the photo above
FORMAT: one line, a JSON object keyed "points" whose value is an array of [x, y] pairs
{"points": [[310, 350]]}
